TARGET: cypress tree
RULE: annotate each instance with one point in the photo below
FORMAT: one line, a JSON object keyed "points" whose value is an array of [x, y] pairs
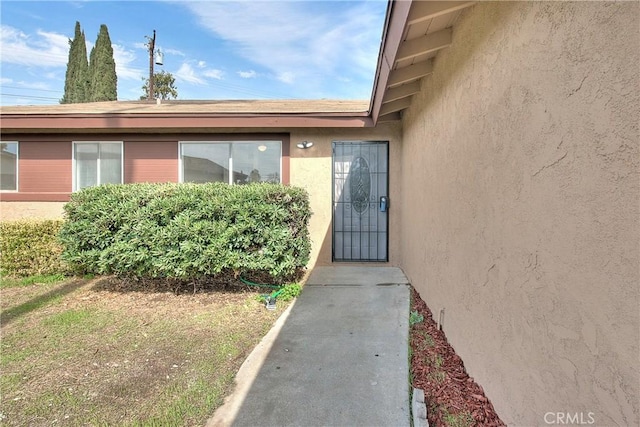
{"points": [[102, 69], [76, 83]]}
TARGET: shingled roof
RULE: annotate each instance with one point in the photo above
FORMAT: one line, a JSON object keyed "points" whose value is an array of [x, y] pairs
{"points": [[290, 106], [414, 32]]}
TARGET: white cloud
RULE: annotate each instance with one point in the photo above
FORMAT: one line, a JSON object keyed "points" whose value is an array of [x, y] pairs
{"points": [[214, 74], [174, 52], [187, 74], [4, 81], [298, 42], [286, 77], [44, 49], [247, 74], [79, 4], [124, 58]]}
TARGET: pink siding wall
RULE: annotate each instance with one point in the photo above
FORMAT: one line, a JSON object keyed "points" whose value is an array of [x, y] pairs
{"points": [[45, 167], [148, 161], [45, 161], [44, 171]]}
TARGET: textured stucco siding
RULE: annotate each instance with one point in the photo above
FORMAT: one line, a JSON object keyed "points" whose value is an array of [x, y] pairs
{"points": [[311, 170], [520, 172]]}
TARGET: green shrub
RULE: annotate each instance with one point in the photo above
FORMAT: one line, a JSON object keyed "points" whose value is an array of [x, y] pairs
{"points": [[29, 248], [289, 292], [187, 231]]}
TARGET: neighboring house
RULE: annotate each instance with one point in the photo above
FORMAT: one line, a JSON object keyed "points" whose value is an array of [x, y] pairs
{"points": [[505, 137]]}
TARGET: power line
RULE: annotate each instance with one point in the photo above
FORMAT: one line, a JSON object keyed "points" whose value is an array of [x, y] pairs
{"points": [[28, 88], [28, 96]]}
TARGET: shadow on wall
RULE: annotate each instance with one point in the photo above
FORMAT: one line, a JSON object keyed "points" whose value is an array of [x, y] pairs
{"points": [[464, 53], [362, 229], [324, 254]]}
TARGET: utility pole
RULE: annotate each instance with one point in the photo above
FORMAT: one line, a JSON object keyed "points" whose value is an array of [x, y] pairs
{"points": [[152, 48]]}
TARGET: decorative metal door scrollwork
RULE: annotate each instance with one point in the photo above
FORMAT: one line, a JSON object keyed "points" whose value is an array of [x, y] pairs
{"points": [[360, 179], [360, 184]]}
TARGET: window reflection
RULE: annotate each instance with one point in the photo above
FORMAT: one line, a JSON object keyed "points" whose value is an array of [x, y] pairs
{"points": [[249, 162], [256, 162], [205, 162], [9, 166]]}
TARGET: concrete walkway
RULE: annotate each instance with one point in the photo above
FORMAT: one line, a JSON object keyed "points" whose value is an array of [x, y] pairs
{"points": [[337, 357]]}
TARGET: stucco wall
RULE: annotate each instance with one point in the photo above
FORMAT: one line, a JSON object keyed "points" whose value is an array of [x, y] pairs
{"points": [[521, 205], [311, 169]]}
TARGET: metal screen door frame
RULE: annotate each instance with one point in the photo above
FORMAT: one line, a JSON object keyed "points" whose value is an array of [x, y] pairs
{"points": [[360, 177]]}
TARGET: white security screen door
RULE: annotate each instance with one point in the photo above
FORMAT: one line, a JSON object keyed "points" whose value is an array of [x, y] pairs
{"points": [[360, 201]]}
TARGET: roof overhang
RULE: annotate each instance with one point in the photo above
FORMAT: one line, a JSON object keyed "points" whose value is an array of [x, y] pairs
{"points": [[69, 123], [191, 116], [414, 32]]}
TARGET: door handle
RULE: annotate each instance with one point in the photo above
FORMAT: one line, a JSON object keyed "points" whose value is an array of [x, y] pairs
{"points": [[384, 203]]}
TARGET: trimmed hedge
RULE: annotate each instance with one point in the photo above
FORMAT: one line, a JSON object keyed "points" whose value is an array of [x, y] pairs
{"points": [[29, 248], [187, 231]]}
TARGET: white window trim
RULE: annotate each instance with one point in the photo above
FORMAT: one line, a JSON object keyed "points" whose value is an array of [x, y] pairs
{"points": [[73, 160], [17, 166], [180, 162]]}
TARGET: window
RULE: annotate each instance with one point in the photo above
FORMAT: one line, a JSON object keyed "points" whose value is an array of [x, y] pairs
{"points": [[248, 161], [96, 163], [9, 166]]}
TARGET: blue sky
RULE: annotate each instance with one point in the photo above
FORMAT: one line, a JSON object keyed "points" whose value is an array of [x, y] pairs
{"points": [[216, 50]]}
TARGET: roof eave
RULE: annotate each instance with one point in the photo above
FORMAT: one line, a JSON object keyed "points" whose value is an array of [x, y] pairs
{"points": [[69, 122], [397, 14], [65, 123]]}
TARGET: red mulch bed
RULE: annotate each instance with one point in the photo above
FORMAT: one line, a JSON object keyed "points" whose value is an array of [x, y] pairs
{"points": [[439, 371]]}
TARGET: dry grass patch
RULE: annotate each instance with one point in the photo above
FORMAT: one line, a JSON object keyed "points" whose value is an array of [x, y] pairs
{"points": [[88, 352]]}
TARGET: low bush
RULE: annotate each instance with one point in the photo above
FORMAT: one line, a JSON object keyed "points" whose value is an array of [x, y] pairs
{"points": [[187, 231], [289, 292], [30, 248]]}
